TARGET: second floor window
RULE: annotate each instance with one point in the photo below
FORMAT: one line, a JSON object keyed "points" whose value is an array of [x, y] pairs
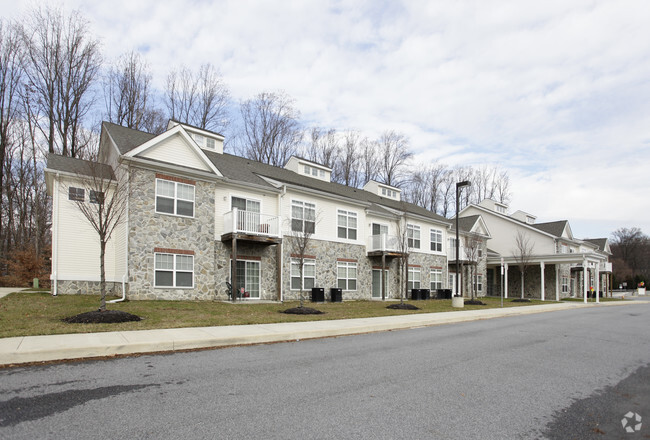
{"points": [[174, 198], [303, 217], [413, 235], [436, 240], [76, 194], [347, 224]]}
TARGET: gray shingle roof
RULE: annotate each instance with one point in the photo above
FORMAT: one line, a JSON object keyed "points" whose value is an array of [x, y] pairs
{"points": [[244, 170], [553, 228], [467, 223], [600, 242], [73, 165]]}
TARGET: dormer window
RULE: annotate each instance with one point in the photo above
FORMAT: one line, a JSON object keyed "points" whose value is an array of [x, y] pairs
{"points": [[530, 220], [388, 193], [313, 171], [210, 143], [203, 141], [501, 209]]}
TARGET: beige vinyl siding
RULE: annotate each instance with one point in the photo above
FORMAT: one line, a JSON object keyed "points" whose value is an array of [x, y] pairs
{"points": [[78, 243], [177, 151]]}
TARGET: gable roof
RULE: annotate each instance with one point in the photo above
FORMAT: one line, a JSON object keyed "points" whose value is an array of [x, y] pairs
{"points": [[247, 171], [72, 165], [602, 243], [554, 228]]}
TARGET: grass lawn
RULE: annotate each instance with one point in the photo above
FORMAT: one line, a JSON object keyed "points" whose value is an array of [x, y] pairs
{"points": [[31, 313], [592, 300]]}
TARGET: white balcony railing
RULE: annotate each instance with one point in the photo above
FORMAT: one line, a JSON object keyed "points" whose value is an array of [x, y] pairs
{"points": [[605, 267], [254, 223], [383, 243]]}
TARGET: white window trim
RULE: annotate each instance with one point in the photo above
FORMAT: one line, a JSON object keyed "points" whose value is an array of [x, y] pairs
{"points": [[442, 240], [479, 282], [302, 202], [175, 213], [173, 270], [431, 278], [414, 227], [245, 197], [306, 262], [347, 214], [347, 265], [411, 280]]}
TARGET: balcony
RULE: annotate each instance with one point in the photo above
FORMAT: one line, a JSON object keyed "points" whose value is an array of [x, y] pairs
{"points": [[250, 225], [383, 244], [605, 267], [451, 253]]}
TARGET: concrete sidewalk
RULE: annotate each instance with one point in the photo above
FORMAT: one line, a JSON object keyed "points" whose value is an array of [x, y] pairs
{"points": [[88, 345]]}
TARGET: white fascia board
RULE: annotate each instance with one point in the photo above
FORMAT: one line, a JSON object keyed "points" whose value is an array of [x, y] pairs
{"points": [[169, 133], [70, 175], [255, 186], [549, 259], [154, 165], [509, 219]]}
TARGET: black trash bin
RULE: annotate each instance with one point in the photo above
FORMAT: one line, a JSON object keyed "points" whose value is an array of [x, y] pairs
{"points": [[440, 293], [447, 293], [416, 294], [317, 294], [425, 294], [336, 294]]}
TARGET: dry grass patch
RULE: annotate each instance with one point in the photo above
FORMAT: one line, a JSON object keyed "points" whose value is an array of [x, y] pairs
{"points": [[31, 313]]}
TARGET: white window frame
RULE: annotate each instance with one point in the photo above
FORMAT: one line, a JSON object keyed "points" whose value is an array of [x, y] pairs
{"points": [[295, 273], [176, 198], [174, 270], [435, 281], [259, 279], [411, 230], [412, 282], [565, 284], [348, 215], [479, 282], [346, 266], [435, 233], [304, 206]]}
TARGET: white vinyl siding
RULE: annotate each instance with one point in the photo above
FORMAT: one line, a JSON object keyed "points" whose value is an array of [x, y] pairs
{"points": [[174, 270], [176, 150]]}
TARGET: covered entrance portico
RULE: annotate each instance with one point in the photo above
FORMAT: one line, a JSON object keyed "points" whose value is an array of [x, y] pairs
{"points": [[549, 276]]}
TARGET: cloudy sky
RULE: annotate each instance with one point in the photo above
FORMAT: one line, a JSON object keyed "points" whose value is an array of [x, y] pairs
{"points": [[556, 92]]}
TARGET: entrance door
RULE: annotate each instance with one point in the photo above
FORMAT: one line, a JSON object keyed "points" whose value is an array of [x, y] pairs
{"points": [[452, 283], [377, 283], [248, 277]]}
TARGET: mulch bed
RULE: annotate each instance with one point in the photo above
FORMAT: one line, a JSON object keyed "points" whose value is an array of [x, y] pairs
{"points": [[302, 311], [402, 306], [475, 302], [519, 300], [99, 317]]}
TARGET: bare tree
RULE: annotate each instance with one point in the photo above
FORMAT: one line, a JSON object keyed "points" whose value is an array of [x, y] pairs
{"points": [[371, 161], [393, 148], [346, 170], [523, 255], [199, 98], [472, 246], [325, 147], [104, 207], [62, 62], [404, 251], [300, 237], [11, 70], [127, 91], [271, 132]]}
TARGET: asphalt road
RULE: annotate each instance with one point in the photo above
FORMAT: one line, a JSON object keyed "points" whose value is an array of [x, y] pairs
{"points": [[568, 374]]}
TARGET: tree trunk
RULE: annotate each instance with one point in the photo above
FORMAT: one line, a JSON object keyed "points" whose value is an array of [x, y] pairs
{"points": [[522, 284], [102, 276]]}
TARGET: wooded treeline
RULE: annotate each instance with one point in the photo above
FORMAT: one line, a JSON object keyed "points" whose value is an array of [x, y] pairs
{"points": [[56, 87]]}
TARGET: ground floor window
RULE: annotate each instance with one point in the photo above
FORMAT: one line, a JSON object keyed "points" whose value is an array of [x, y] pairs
{"points": [[413, 278], [248, 278], [347, 275], [174, 270], [436, 279], [565, 284], [479, 283], [308, 274]]}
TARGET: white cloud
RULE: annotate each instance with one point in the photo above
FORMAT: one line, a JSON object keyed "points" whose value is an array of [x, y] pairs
{"points": [[555, 91]]}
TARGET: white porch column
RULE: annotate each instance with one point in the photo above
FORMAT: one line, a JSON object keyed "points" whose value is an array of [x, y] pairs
{"points": [[557, 282], [541, 267], [505, 283], [597, 278], [585, 280]]}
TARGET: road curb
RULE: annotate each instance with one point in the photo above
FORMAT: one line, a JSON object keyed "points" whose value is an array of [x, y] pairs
{"points": [[30, 349]]}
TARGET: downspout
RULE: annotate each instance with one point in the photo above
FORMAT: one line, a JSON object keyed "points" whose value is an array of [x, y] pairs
{"points": [[55, 238], [280, 260], [126, 234]]}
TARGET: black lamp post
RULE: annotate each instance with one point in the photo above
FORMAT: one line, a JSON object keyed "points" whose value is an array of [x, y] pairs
{"points": [[459, 185]]}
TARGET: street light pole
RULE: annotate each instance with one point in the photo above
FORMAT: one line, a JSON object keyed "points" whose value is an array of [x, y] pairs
{"points": [[459, 185]]}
